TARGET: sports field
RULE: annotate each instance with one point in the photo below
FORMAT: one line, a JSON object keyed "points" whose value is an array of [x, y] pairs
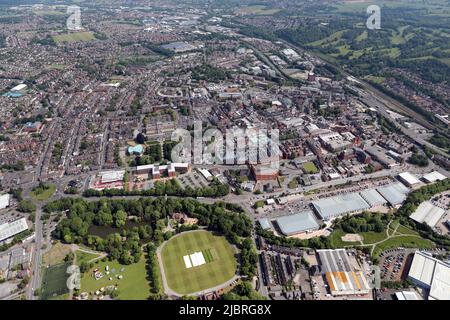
{"points": [[74, 37], [54, 282], [219, 256]]}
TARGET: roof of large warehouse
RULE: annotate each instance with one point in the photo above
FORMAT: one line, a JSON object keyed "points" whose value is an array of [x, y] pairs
{"points": [[427, 213], [394, 193], [409, 178], [297, 223], [372, 197], [432, 272], [339, 205]]}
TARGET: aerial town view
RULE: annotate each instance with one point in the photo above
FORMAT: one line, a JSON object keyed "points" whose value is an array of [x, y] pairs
{"points": [[224, 150]]}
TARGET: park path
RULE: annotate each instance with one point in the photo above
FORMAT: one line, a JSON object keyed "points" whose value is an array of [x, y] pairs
{"points": [[100, 255]]}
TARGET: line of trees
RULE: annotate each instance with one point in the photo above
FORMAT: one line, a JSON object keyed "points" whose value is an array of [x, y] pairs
{"points": [[170, 187]]}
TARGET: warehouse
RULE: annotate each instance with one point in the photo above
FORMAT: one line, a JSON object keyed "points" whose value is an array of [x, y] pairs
{"points": [[10, 229], [341, 276], [432, 275], [372, 197], [112, 176], [330, 208], [297, 223], [408, 179], [4, 201], [428, 213], [433, 177], [265, 224], [395, 193]]}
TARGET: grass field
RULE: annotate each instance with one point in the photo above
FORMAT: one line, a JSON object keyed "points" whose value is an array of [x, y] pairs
{"points": [[133, 285], [309, 167], [54, 281], [219, 255], [74, 37], [84, 256], [43, 195], [56, 254]]}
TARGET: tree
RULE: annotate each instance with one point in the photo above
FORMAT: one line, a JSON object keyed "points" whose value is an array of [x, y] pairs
{"points": [[140, 138], [120, 218]]}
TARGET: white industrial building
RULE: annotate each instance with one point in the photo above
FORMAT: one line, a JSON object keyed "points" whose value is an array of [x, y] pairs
{"points": [[112, 176], [431, 274], [433, 177], [408, 179], [4, 201], [10, 229], [428, 213]]}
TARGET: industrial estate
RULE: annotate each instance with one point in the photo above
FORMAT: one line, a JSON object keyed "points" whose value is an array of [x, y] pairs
{"points": [[224, 150]]}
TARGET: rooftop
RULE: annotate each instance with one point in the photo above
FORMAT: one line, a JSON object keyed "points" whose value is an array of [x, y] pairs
{"points": [[428, 213], [10, 229], [395, 193], [340, 205], [297, 223]]}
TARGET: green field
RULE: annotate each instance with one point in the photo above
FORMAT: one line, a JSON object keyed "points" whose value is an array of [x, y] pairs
{"points": [[42, 195], [219, 255], [74, 37], [54, 282], [133, 285], [309, 167], [84, 256]]}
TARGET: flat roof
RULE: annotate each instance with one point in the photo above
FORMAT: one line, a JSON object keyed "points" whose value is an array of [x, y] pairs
{"points": [[372, 197], [340, 205], [4, 200], [10, 229], [111, 176], [428, 213], [297, 223], [409, 178], [432, 273], [341, 276], [265, 224], [395, 193], [434, 176]]}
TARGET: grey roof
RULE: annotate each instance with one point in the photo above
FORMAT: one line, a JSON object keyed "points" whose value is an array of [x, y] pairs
{"points": [[340, 205], [297, 223], [265, 224], [395, 193], [372, 197], [8, 230]]}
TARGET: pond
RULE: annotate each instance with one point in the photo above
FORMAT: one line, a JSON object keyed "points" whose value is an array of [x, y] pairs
{"points": [[104, 231]]}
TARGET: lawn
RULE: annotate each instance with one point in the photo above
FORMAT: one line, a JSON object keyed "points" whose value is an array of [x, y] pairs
{"points": [[84, 256], [220, 263], [309, 167], [337, 242], [43, 194], [133, 285], [373, 237], [54, 282], [56, 254], [74, 37], [403, 241]]}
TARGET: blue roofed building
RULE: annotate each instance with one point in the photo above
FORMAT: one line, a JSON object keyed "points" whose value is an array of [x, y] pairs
{"points": [[137, 149]]}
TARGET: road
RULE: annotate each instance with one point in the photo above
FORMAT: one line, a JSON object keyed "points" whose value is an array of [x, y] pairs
{"points": [[35, 281]]}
